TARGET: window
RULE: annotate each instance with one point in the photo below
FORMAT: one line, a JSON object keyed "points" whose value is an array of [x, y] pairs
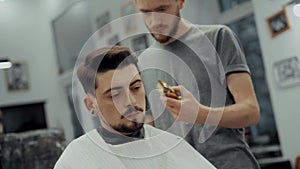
{"points": [[226, 5]]}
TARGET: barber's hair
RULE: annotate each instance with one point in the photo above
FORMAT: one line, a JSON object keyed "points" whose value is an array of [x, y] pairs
{"points": [[102, 60]]}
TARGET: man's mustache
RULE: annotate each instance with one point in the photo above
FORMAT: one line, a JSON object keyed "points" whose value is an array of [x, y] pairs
{"points": [[159, 27], [130, 110]]}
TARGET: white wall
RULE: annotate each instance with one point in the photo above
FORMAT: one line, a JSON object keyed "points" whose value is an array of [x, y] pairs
{"points": [[285, 100], [26, 35]]}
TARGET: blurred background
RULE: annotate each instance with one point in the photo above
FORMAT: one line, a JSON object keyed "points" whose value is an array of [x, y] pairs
{"points": [[41, 39]]}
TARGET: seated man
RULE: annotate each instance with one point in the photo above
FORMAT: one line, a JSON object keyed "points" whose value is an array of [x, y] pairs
{"points": [[115, 93]]}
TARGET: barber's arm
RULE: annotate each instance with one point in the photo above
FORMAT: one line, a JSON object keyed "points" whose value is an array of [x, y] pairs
{"points": [[244, 112]]}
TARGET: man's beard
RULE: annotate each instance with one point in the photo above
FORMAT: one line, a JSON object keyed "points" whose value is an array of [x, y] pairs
{"points": [[128, 129], [136, 124], [166, 37]]}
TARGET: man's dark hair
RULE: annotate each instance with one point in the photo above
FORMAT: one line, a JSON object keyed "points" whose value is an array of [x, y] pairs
{"points": [[102, 60]]}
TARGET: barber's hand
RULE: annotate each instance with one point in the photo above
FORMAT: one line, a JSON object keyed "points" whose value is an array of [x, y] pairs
{"points": [[186, 109]]}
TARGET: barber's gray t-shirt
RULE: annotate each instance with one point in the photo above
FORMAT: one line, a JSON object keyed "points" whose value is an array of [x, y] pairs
{"points": [[200, 61]]}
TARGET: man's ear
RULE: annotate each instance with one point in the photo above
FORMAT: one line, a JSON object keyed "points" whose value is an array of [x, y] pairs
{"points": [[90, 104], [181, 3]]}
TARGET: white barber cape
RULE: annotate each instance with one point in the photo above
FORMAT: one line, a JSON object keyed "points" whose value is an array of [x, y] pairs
{"points": [[159, 150]]}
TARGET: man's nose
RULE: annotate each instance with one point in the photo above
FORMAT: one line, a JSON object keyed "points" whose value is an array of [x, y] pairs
{"points": [[155, 19], [130, 100]]}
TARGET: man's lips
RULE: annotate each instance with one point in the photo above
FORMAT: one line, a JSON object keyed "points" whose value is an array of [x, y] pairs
{"points": [[132, 112], [159, 30], [132, 115]]}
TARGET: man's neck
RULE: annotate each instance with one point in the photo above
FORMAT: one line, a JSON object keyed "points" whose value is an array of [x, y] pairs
{"points": [[115, 138], [183, 27]]}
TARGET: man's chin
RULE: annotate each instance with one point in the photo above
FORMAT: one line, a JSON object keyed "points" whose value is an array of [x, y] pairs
{"points": [[161, 38], [136, 126], [130, 128]]}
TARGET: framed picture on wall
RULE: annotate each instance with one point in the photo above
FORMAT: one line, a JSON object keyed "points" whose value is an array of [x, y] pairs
{"points": [[129, 22], [278, 23], [287, 72], [17, 77]]}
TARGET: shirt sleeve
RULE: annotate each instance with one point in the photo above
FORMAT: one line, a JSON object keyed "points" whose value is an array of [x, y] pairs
{"points": [[231, 52]]}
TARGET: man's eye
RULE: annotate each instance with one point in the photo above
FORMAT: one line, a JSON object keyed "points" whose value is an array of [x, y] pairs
{"points": [[161, 10], [137, 87], [145, 13], [115, 95]]}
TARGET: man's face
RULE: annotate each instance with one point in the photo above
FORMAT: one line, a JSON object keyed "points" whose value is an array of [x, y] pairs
{"points": [[161, 17], [120, 97]]}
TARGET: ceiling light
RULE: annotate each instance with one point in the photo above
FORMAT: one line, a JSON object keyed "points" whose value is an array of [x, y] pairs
{"points": [[5, 64]]}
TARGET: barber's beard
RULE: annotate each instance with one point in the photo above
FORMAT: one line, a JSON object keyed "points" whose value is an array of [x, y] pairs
{"points": [[166, 37]]}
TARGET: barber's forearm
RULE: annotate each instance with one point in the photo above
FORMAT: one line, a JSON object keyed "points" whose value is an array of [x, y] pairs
{"points": [[234, 116]]}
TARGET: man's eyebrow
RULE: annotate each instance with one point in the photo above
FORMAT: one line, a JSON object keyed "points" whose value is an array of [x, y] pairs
{"points": [[161, 7], [136, 81], [109, 90], [118, 88], [145, 10], [156, 9]]}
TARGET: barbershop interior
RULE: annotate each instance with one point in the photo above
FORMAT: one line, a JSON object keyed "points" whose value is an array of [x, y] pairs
{"points": [[41, 41]]}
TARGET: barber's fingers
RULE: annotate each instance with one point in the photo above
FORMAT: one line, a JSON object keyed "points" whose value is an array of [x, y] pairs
{"points": [[181, 89], [171, 102], [180, 113], [172, 95], [173, 111], [177, 88]]}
